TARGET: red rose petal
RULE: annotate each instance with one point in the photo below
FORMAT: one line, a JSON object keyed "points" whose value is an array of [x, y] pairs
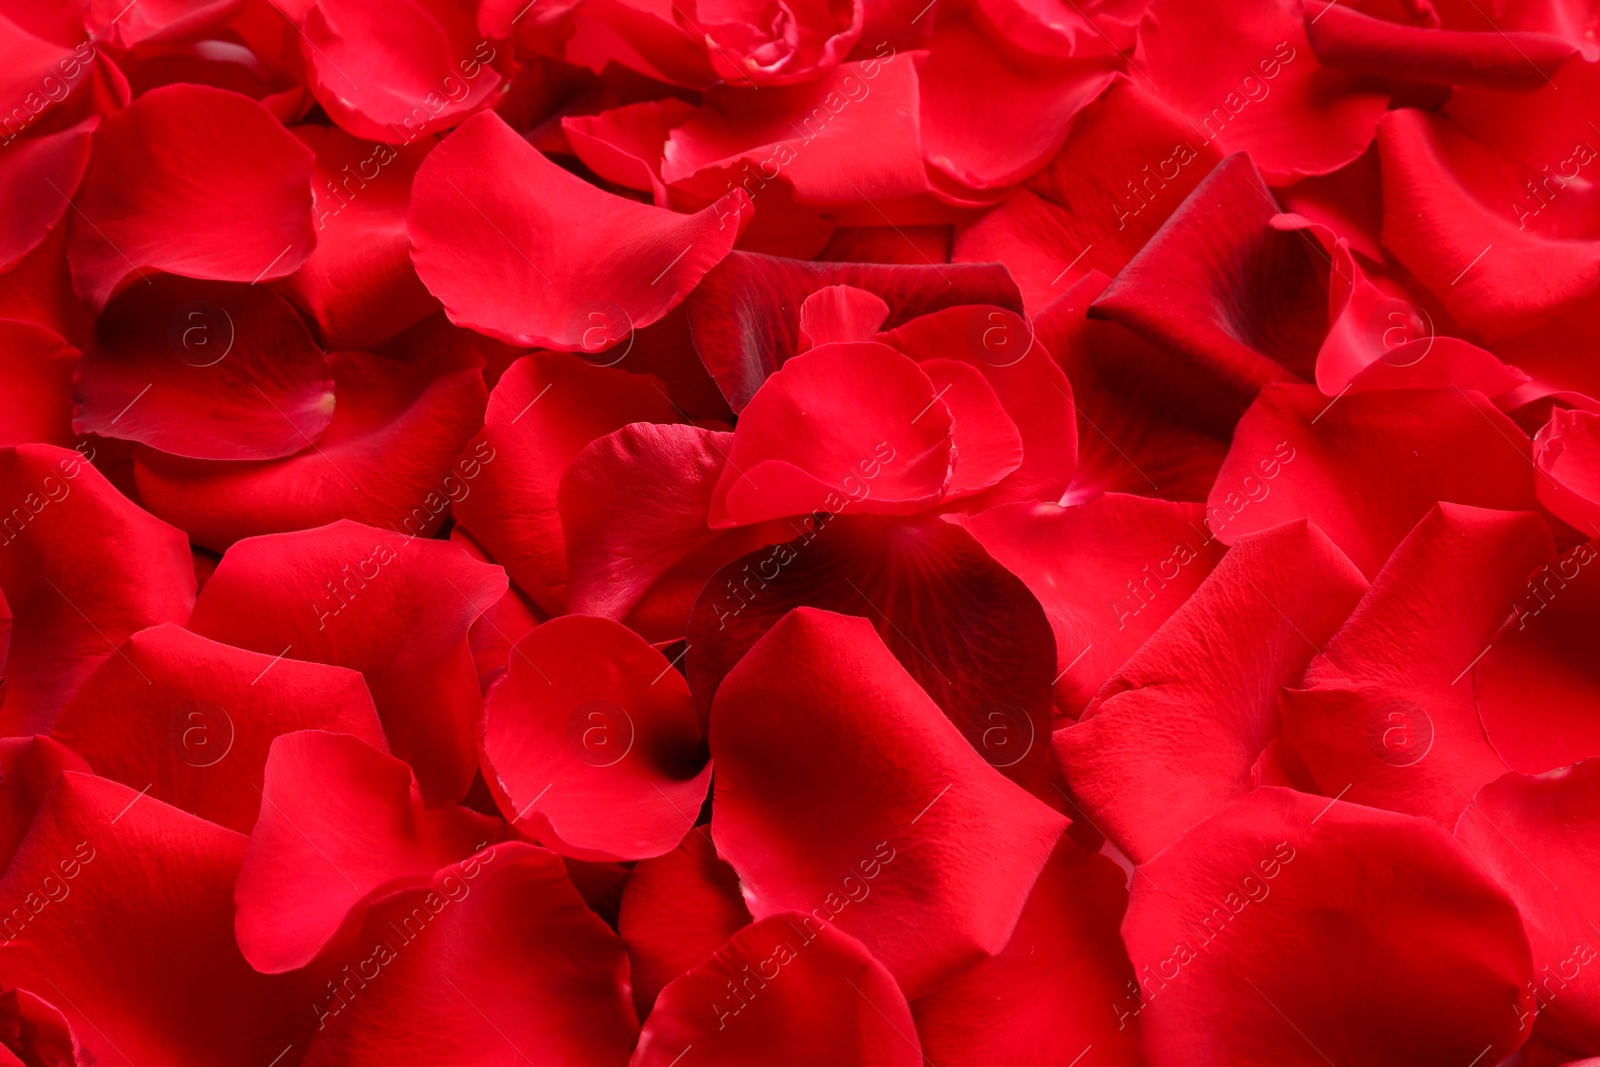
{"points": [[36, 178], [1366, 468], [1567, 453], [1043, 998], [390, 71], [519, 249], [677, 909], [342, 824], [81, 568], [967, 630], [1532, 836], [840, 313], [389, 457], [395, 608], [1387, 714], [513, 510], [1174, 734], [788, 992], [624, 145], [207, 370], [745, 47], [985, 445], [591, 743], [1246, 77], [1107, 574], [136, 948], [500, 962], [830, 760], [156, 20], [29, 768], [36, 402], [742, 341], [1236, 907], [172, 174], [191, 721]]}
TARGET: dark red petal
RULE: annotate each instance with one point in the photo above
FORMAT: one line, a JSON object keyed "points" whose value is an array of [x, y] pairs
{"points": [[512, 511], [498, 961], [359, 285], [848, 422], [387, 458], [156, 21], [591, 743], [39, 290], [838, 778], [993, 115], [1029, 383], [1043, 999], [1107, 574], [129, 933], [810, 134], [1246, 78], [81, 568], [967, 630], [786, 991], [36, 401], [677, 909], [36, 178], [1126, 166], [519, 249], [195, 181], [1535, 837], [1419, 958], [207, 370], [742, 340], [1387, 715], [840, 313], [1348, 40], [1148, 423], [342, 824], [191, 721], [395, 608], [1367, 467], [1225, 290], [1539, 686], [29, 767], [391, 72], [1567, 453], [1174, 734]]}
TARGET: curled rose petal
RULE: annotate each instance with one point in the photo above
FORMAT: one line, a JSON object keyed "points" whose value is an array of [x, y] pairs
{"points": [[1222, 925], [347, 595], [172, 174], [81, 568], [1567, 453], [844, 793], [519, 249], [591, 744], [191, 720], [207, 370], [341, 825], [817, 995], [497, 960], [776, 44]]}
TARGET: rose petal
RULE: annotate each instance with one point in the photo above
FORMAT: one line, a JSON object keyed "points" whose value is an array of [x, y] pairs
{"points": [[1567, 453], [36, 403], [840, 313], [36, 177], [29, 768]]}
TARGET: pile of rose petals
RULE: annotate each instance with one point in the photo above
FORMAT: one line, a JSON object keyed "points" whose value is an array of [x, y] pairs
{"points": [[799, 533]]}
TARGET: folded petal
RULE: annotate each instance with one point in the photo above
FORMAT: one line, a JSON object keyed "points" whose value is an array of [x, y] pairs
{"points": [[81, 568], [1567, 453], [395, 608], [342, 824], [207, 370], [591, 744], [497, 961], [1367, 467], [519, 249], [831, 759], [191, 721], [1420, 958], [195, 181], [1174, 734], [786, 991]]}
